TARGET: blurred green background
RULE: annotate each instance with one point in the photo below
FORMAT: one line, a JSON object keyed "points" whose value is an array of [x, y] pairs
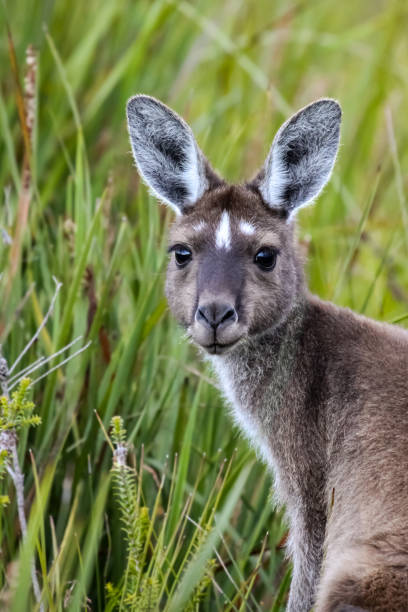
{"points": [[74, 208]]}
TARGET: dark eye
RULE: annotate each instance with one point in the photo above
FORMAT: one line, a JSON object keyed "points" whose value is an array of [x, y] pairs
{"points": [[183, 255], [266, 258]]}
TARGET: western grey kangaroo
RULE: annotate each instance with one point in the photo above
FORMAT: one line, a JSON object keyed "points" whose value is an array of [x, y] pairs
{"points": [[321, 392]]}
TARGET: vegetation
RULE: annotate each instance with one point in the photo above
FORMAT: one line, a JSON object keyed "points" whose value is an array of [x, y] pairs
{"points": [[184, 519]]}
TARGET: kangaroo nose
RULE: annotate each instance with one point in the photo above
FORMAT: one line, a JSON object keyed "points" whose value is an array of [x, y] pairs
{"points": [[214, 315]]}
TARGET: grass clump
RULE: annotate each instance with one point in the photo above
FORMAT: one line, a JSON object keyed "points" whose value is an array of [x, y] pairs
{"points": [[158, 559]]}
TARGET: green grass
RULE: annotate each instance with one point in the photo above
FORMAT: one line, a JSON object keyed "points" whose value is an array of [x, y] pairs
{"points": [[234, 70]]}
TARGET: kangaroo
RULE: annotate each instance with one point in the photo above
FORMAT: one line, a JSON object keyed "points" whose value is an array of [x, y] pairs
{"points": [[320, 392]]}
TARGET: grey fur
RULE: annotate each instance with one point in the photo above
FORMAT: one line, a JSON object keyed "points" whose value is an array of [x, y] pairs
{"points": [[301, 157], [320, 392], [349, 609], [166, 153]]}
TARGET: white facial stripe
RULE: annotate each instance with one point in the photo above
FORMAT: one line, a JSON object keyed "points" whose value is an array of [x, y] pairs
{"points": [[223, 233], [200, 226], [246, 228]]}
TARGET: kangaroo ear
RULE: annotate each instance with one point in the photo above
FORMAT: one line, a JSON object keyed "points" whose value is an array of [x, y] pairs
{"points": [[166, 153], [301, 158]]}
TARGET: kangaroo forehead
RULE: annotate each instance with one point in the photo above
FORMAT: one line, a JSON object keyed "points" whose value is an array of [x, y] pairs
{"points": [[225, 213], [238, 200]]}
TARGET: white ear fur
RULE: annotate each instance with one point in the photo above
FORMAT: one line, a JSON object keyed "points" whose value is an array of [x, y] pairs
{"points": [[301, 158], [166, 153]]}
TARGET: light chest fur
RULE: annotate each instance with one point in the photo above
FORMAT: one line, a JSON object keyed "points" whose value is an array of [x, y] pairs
{"points": [[257, 380]]}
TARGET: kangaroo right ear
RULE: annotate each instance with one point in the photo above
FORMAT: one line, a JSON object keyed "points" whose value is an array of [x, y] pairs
{"points": [[166, 154], [301, 157]]}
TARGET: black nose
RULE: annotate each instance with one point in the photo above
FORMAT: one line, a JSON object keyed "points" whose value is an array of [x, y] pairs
{"points": [[214, 315]]}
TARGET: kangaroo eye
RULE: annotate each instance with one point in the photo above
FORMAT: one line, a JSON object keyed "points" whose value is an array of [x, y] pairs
{"points": [[182, 255], [266, 258]]}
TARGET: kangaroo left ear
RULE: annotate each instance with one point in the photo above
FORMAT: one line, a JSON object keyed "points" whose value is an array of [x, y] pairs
{"points": [[301, 158], [167, 155]]}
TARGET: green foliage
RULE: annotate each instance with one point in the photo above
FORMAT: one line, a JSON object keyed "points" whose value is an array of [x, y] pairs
{"points": [[17, 413], [154, 556], [72, 207]]}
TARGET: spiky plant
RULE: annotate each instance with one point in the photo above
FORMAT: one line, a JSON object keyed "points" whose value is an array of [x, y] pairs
{"points": [[156, 558]]}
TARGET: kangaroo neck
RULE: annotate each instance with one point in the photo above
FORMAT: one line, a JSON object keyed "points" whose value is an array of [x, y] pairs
{"points": [[255, 375]]}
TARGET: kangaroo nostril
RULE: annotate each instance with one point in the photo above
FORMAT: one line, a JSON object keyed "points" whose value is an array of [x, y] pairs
{"points": [[213, 315], [229, 314], [201, 315]]}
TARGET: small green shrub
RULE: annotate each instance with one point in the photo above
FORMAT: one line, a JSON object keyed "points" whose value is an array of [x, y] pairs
{"points": [[156, 557]]}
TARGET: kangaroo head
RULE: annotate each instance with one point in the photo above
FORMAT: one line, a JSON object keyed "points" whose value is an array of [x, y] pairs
{"points": [[234, 270]]}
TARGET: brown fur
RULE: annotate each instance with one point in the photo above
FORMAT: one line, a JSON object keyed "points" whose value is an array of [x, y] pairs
{"points": [[334, 419], [321, 393]]}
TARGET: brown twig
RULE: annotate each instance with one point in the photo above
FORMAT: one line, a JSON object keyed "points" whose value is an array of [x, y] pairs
{"points": [[26, 110]]}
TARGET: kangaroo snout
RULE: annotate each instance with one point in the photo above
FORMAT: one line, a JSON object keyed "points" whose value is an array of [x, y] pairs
{"points": [[216, 315], [215, 326]]}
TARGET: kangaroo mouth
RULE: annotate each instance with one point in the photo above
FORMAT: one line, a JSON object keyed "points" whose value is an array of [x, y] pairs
{"points": [[215, 342], [218, 349]]}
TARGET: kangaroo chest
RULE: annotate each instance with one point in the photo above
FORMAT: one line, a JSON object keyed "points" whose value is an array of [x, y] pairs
{"points": [[257, 389], [246, 406], [266, 397]]}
